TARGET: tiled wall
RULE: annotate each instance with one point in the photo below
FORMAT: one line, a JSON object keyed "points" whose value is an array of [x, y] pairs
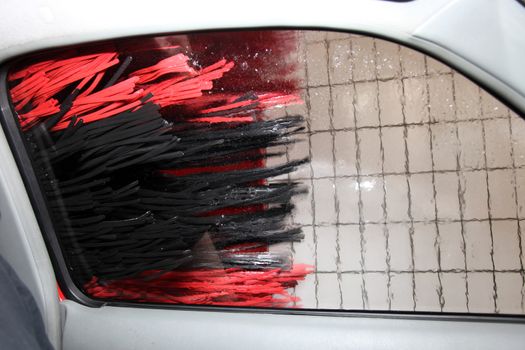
{"points": [[417, 183]]}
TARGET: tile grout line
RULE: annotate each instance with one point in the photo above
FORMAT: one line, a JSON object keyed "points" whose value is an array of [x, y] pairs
{"points": [[299, 50], [383, 80], [404, 124], [364, 294], [292, 216], [288, 176], [301, 44], [461, 202], [386, 231], [451, 171], [407, 222], [409, 194], [435, 271], [312, 199], [437, 240], [495, 288], [334, 178], [516, 202]]}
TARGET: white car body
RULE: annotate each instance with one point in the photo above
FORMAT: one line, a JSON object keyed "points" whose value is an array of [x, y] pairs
{"points": [[484, 39]]}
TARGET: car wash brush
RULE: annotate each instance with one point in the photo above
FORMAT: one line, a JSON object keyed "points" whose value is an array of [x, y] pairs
{"points": [[153, 161]]}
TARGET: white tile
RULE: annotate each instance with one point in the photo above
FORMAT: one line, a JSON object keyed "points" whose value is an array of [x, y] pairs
{"points": [[447, 197], [491, 107], [376, 291], [322, 154], [506, 245], [275, 112], [394, 149], [390, 98], [440, 92], [305, 250], [452, 246], [416, 100], [481, 292], [388, 65], [372, 197], [319, 116], [340, 64], [467, 98], [303, 208], [352, 291], [522, 239], [396, 188], [418, 143], [474, 195], [297, 151], [425, 252], [299, 108], [363, 58], [316, 59], [470, 136], [305, 291], [497, 139], [427, 286], [502, 198], [297, 56], [454, 296], [412, 62], [345, 153], [436, 67], [324, 202], [276, 161], [444, 146], [520, 190], [510, 286], [337, 35], [478, 245], [348, 198], [422, 197], [350, 247], [399, 247], [370, 151], [374, 247], [343, 106], [366, 104], [329, 295], [518, 138], [281, 248], [326, 248], [401, 292], [314, 35]]}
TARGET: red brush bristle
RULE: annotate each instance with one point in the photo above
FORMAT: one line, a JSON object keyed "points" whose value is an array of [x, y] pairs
{"points": [[38, 85], [41, 83], [174, 64], [232, 287]]}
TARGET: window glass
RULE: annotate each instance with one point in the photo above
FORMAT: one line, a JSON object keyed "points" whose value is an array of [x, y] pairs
{"points": [[299, 169]]}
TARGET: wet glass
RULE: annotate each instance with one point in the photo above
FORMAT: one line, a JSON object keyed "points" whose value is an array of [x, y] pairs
{"points": [[298, 169]]}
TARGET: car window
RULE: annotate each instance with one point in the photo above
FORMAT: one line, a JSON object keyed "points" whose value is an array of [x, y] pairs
{"points": [[286, 169]]}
